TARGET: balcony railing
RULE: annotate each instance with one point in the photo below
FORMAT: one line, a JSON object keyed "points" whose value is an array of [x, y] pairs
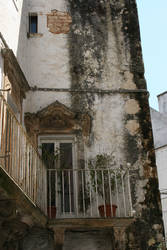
{"points": [[20, 159], [89, 193]]}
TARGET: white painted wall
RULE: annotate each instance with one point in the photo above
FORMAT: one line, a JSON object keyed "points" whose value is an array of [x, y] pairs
{"points": [[36, 101], [13, 25], [107, 130], [159, 126], [48, 55], [162, 102], [161, 161], [10, 22], [48, 58]]}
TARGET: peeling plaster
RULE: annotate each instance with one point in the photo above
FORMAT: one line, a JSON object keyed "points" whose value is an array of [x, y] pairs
{"points": [[132, 127], [132, 107], [129, 83]]}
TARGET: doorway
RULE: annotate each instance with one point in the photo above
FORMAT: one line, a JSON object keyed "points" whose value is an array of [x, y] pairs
{"points": [[58, 153]]}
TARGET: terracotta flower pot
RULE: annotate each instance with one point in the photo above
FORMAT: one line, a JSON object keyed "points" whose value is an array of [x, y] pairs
{"points": [[52, 212], [106, 211]]}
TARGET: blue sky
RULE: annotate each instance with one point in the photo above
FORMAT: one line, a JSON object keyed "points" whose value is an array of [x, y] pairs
{"points": [[153, 28]]}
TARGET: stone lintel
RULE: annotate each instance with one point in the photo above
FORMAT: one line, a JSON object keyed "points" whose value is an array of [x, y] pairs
{"points": [[90, 223]]}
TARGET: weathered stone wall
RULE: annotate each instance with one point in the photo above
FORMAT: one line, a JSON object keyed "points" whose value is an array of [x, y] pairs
{"points": [[91, 240], [101, 54]]}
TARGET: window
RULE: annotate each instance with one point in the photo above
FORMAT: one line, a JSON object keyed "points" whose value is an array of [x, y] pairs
{"points": [[33, 23]]}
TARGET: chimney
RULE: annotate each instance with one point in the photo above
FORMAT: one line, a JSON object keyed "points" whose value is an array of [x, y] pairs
{"points": [[162, 102]]}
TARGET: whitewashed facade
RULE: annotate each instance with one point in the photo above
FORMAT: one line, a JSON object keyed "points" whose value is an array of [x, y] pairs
{"points": [[159, 125]]}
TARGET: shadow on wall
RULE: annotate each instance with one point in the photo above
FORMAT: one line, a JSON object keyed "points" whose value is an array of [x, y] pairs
{"points": [[90, 240], [37, 239], [25, 238]]}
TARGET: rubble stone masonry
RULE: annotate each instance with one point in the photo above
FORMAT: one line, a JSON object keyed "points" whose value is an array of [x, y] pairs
{"points": [[59, 22]]}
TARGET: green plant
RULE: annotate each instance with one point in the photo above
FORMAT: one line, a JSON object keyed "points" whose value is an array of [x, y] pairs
{"points": [[49, 158], [103, 177]]}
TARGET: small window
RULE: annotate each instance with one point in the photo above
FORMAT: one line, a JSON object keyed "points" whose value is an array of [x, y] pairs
{"points": [[33, 23]]}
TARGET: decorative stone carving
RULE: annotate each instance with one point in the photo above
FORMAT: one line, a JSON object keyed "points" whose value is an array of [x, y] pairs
{"points": [[56, 119], [120, 237]]}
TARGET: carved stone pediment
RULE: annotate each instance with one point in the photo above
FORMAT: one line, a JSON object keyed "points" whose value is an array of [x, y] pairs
{"points": [[56, 118], [54, 108], [57, 122]]}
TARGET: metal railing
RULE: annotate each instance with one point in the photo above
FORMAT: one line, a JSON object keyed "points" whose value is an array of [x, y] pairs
{"points": [[20, 159], [89, 193]]}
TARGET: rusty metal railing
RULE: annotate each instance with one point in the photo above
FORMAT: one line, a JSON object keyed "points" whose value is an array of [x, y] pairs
{"points": [[20, 159]]}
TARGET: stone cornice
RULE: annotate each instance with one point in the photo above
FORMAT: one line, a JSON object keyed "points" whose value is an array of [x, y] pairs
{"points": [[89, 90], [13, 70]]}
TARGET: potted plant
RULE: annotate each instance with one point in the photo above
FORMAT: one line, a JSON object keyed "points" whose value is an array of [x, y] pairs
{"points": [[103, 182], [51, 211]]}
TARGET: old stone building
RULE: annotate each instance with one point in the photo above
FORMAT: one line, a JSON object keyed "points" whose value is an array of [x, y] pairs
{"points": [[77, 160], [159, 126]]}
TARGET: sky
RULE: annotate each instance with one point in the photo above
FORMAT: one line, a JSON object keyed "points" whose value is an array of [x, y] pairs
{"points": [[153, 30]]}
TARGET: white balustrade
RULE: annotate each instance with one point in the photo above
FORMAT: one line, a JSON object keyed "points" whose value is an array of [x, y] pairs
{"points": [[88, 193]]}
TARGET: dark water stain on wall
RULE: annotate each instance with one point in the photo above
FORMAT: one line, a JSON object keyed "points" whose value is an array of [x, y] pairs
{"points": [[87, 46], [131, 31], [142, 234]]}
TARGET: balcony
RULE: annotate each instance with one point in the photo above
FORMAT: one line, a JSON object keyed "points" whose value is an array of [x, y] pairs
{"points": [[88, 193], [61, 193]]}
